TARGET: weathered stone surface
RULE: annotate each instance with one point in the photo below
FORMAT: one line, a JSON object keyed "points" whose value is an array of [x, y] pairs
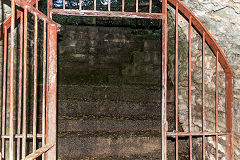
{"points": [[97, 108], [108, 125], [100, 146], [109, 93]]}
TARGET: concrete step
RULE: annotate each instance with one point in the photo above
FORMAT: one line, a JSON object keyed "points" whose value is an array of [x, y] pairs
{"points": [[100, 147], [107, 147], [123, 93], [108, 125], [75, 108]]}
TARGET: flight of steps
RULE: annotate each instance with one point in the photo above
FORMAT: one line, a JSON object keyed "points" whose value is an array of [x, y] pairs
{"points": [[115, 122], [109, 94]]}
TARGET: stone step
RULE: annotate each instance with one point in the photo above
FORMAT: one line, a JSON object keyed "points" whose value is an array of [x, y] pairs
{"points": [[111, 75], [100, 147], [108, 125], [109, 93], [75, 108], [109, 115], [122, 147]]}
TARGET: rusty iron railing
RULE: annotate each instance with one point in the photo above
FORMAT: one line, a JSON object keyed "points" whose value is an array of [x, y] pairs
{"points": [[49, 79], [20, 133], [206, 38], [109, 13], [220, 59]]}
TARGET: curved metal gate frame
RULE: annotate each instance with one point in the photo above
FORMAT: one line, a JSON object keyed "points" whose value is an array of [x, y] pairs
{"points": [[48, 134], [220, 59]]}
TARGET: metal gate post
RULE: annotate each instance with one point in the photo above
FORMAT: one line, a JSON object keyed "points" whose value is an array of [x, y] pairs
{"points": [[164, 80], [51, 91]]}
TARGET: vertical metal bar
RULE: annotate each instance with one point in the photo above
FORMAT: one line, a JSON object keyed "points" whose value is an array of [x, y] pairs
{"points": [[216, 93], [46, 108], [44, 85], [49, 7], [216, 146], [190, 84], [95, 5], [24, 129], [164, 81], [123, 5], [150, 6], [176, 80], [4, 90], [136, 5], [35, 84], [64, 4], [36, 4], [109, 5], [20, 87], [11, 128], [216, 128], [203, 94], [229, 113], [80, 4], [51, 103]]}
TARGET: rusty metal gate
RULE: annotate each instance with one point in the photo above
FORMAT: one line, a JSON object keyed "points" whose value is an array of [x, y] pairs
{"points": [[16, 118], [15, 133]]}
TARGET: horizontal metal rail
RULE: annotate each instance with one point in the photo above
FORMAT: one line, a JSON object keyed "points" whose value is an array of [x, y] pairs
{"points": [[170, 134], [107, 14], [7, 22], [35, 11], [21, 136]]}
